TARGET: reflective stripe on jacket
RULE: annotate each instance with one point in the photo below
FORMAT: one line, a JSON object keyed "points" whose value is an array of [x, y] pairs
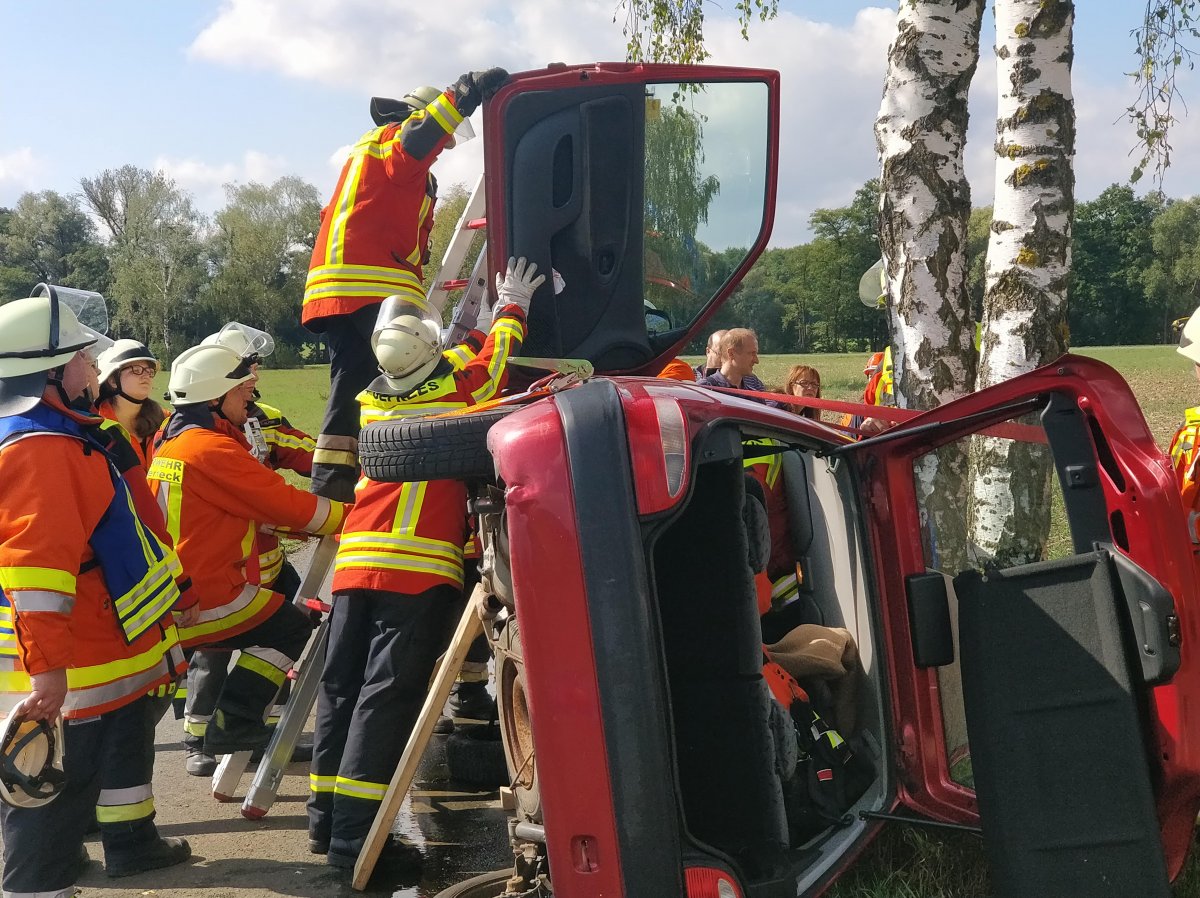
{"points": [[374, 234], [409, 537], [215, 495], [64, 552]]}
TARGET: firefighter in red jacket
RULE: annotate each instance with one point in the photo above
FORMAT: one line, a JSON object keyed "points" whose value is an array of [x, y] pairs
{"points": [[86, 595], [277, 444], [398, 577], [215, 496], [373, 242]]}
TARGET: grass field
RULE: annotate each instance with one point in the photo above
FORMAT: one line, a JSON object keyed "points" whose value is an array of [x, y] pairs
{"points": [[1160, 378], [903, 862]]}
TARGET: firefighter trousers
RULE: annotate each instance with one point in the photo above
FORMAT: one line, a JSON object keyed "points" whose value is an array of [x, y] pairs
{"points": [[241, 701], [381, 653], [352, 367], [208, 669], [114, 750]]}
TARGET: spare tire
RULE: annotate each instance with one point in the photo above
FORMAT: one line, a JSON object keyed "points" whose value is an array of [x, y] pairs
{"points": [[429, 448]]}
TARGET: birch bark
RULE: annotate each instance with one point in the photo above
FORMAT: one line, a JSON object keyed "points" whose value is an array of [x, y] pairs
{"points": [[925, 205], [1028, 262]]}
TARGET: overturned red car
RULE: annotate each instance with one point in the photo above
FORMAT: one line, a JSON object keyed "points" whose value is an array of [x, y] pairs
{"points": [[629, 521]]}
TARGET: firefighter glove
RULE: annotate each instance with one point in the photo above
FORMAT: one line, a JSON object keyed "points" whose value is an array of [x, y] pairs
{"points": [[519, 284], [474, 88]]}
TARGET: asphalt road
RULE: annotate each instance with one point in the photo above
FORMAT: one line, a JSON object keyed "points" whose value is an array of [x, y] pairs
{"points": [[459, 831]]}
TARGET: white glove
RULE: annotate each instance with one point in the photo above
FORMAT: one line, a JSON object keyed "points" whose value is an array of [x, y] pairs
{"points": [[483, 321], [518, 284]]}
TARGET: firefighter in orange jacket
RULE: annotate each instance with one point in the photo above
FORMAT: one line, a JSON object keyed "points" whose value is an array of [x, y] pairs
{"points": [[215, 495], [86, 595], [373, 242], [398, 577], [277, 444]]}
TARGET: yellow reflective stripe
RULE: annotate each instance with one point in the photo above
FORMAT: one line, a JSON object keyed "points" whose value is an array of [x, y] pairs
{"points": [[36, 578], [275, 437], [371, 414], [327, 517], [445, 114], [170, 503], [247, 545], [392, 561], [249, 602], [335, 249], [321, 783], [335, 457], [40, 601], [196, 727], [360, 789], [127, 813], [504, 332], [368, 275], [111, 671], [408, 508], [83, 698], [366, 541], [263, 668]]}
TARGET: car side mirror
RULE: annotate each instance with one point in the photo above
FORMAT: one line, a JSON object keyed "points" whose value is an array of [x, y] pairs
{"points": [[657, 322]]}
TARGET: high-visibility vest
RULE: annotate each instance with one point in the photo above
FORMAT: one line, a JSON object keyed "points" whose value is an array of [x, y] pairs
{"points": [[407, 538], [374, 233], [1184, 443], [106, 616]]}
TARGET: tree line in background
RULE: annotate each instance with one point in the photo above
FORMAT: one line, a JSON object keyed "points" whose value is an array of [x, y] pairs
{"points": [[173, 275]]}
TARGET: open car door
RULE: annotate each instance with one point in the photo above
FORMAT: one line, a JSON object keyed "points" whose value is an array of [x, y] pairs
{"points": [[1038, 685], [623, 182]]}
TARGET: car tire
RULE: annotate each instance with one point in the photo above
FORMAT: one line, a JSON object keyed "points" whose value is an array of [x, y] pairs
{"points": [[413, 449], [486, 885], [516, 730], [476, 761]]}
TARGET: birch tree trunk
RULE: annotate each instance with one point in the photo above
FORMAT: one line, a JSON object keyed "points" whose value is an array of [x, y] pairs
{"points": [[925, 205], [1028, 262]]}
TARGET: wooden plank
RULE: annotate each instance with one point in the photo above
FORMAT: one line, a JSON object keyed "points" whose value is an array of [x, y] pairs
{"points": [[469, 626]]}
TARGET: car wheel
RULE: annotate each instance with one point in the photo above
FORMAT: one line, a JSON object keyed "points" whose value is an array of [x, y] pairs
{"points": [[452, 448], [486, 885], [516, 730]]}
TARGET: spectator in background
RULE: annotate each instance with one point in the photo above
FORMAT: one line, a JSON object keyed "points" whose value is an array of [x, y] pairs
{"points": [[712, 356], [804, 381], [738, 351]]}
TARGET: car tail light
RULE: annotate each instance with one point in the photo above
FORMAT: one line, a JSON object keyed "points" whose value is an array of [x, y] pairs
{"points": [[659, 446], [709, 882], [674, 442]]}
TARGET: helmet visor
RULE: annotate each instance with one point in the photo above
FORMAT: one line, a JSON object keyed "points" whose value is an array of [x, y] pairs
{"points": [[245, 340], [88, 305]]}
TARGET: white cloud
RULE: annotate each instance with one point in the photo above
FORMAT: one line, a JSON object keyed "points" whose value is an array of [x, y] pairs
{"points": [[391, 45], [206, 181], [20, 170]]}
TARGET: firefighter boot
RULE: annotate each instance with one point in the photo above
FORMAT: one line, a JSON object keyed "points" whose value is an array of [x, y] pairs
{"points": [[469, 703], [197, 762], [162, 851], [395, 855], [227, 734]]}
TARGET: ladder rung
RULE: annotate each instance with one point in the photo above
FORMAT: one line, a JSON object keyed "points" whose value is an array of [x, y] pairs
{"points": [[476, 224], [456, 284]]}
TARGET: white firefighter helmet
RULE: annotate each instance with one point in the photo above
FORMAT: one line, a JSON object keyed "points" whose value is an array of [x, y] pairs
{"points": [[120, 354], [203, 373], [1189, 339], [31, 761], [407, 339], [872, 287], [246, 341], [37, 334]]}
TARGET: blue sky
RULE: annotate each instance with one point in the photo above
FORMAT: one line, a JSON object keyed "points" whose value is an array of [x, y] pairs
{"points": [[241, 90]]}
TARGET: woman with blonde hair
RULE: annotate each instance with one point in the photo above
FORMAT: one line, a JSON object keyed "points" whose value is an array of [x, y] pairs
{"points": [[805, 381], [127, 370]]}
